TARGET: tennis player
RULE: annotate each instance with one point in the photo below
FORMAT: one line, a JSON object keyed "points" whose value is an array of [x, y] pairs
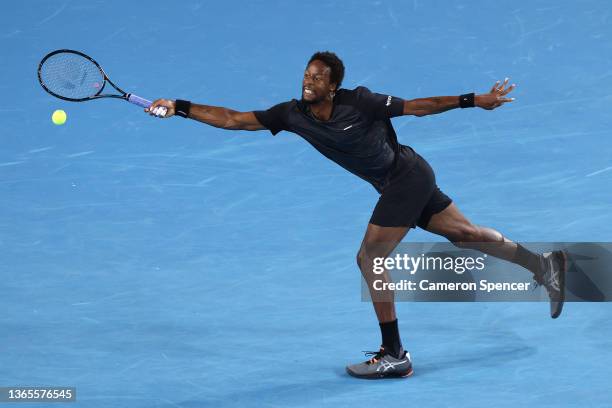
{"points": [[353, 129]]}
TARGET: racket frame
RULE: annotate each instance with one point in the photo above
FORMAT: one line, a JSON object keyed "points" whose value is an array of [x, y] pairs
{"points": [[124, 95]]}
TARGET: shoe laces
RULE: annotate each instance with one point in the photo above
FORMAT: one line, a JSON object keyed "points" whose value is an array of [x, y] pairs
{"points": [[551, 277], [376, 355], [536, 283], [548, 276]]}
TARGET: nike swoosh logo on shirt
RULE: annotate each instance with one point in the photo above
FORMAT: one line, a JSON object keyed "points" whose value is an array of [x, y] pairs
{"points": [[348, 127]]}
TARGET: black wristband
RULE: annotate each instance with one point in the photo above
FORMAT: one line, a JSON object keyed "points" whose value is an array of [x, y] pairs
{"points": [[466, 100], [182, 108]]}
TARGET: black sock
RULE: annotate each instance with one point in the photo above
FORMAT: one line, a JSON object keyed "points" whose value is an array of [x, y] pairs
{"points": [[391, 338], [527, 259]]}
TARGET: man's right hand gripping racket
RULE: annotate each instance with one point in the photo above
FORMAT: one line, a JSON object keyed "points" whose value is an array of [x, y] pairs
{"points": [[73, 76]]}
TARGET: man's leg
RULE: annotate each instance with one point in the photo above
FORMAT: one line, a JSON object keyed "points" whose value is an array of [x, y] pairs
{"points": [[379, 242], [454, 226], [549, 269], [391, 360]]}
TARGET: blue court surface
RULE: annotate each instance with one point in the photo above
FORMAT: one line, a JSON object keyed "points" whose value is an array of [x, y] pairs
{"points": [[166, 263]]}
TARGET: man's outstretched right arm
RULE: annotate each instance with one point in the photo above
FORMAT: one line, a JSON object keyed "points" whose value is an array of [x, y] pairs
{"points": [[211, 115]]}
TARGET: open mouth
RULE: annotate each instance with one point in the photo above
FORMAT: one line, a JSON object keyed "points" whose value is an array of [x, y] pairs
{"points": [[308, 92]]}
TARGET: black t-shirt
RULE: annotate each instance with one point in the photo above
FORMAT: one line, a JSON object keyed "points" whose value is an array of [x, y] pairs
{"points": [[358, 136]]}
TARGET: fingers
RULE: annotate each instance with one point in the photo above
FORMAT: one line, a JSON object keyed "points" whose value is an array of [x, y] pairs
{"points": [[499, 88], [503, 85], [502, 89], [159, 111], [157, 108], [154, 105], [510, 88], [495, 85], [499, 102]]}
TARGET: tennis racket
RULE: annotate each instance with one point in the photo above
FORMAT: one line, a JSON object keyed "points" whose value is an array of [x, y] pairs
{"points": [[73, 76]]}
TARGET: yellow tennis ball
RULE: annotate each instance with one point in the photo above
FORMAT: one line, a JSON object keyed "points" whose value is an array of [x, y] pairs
{"points": [[59, 117]]}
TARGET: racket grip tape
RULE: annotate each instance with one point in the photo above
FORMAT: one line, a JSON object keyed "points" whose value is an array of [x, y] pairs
{"points": [[137, 100]]}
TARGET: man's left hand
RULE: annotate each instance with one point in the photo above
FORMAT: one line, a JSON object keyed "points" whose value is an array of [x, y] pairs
{"points": [[496, 97]]}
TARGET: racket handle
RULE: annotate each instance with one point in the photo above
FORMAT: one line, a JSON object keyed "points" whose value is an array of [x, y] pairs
{"points": [[137, 100]]}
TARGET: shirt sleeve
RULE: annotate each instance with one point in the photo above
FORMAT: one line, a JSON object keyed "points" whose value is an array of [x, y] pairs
{"points": [[273, 119], [378, 105]]}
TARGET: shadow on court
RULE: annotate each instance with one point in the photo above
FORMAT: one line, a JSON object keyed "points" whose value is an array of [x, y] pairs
{"points": [[487, 357], [324, 391]]}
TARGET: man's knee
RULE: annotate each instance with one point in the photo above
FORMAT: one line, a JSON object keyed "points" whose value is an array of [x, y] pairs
{"points": [[362, 256], [367, 253]]}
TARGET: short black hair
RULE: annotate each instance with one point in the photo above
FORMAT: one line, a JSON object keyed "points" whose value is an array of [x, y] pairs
{"points": [[333, 62]]}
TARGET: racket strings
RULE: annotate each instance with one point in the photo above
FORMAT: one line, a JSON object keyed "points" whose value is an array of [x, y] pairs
{"points": [[71, 76]]}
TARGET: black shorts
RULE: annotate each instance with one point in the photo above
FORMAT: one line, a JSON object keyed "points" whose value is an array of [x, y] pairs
{"points": [[411, 195]]}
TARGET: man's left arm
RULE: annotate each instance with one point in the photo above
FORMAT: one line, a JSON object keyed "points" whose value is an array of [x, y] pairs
{"points": [[438, 104]]}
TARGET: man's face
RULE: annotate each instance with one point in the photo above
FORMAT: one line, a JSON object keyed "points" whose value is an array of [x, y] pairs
{"points": [[315, 85]]}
